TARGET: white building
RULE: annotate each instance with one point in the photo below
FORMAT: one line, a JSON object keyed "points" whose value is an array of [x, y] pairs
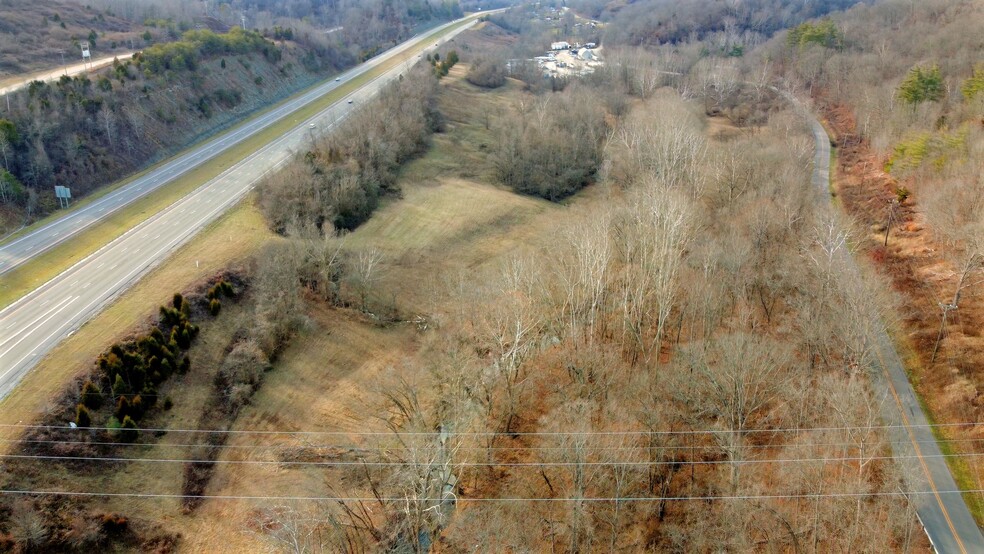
{"points": [[562, 45]]}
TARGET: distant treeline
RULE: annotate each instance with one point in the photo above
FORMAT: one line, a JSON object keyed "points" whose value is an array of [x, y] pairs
{"points": [[651, 22]]}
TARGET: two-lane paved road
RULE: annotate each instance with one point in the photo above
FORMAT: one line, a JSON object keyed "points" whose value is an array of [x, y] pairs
{"points": [[943, 512], [32, 326]]}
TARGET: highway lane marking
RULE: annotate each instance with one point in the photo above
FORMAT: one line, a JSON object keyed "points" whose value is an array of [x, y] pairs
{"points": [[919, 455], [112, 289], [214, 146], [289, 135], [31, 353], [26, 331]]}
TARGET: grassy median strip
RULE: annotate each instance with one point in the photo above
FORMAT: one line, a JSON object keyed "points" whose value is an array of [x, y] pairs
{"points": [[49, 264]]}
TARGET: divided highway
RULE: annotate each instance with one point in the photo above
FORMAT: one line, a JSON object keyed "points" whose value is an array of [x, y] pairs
{"points": [[32, 326], [18, 251], [942, 511]]}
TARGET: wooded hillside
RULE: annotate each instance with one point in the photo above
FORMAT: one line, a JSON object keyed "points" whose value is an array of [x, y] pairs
{"points": [[902, 87], [33, 33], [87, 131]]}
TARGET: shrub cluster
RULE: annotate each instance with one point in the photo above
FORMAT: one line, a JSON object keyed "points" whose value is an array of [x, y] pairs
{"points": [[339, 181], [441, 67], [560, 155], [487, 73], [219, 289], [186, 53], [130, 373]]}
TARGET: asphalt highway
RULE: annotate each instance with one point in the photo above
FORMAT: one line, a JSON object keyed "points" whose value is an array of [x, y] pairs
{"points": [[18, 251], [32, 326], [943, 512]]}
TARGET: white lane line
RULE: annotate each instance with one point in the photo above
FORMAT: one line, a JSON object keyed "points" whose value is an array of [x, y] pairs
{"points": [[46, 339], [85, 286], [26, 331], [100, 265]]}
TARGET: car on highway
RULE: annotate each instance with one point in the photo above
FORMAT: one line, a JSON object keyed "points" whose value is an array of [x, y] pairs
{"points": [[349, 101], [338, 79]]}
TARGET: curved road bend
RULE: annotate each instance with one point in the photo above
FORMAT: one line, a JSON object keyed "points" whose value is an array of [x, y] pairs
{"points": [[943, 513], [33, 325], [18, 251]]}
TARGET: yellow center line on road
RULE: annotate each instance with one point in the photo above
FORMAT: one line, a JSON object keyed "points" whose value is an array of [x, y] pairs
{"points": [[919, 456]]}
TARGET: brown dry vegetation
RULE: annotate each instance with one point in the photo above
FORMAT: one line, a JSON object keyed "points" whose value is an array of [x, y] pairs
{"points": [[885, 146], [461, 317], [31, 34], [445, 245]]}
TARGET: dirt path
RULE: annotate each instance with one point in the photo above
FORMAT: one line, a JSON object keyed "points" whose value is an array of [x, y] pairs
{"points": [[20, 81]]}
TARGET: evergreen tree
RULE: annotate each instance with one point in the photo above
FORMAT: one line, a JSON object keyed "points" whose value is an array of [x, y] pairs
{"points": [[128, 430], [82, 416], [91, 396], [922, 85], [120, 387]]}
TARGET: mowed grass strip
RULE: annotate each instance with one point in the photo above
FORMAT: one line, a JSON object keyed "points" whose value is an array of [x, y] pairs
{"points": [[44, 267], [229, 240]]}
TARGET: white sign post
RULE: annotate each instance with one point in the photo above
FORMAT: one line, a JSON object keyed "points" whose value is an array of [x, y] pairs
{"points": [[86, 56]]}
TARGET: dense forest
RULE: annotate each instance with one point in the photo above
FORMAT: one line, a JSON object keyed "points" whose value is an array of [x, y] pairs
{"points": [[363, 26], [653, 22], [902, 88]]}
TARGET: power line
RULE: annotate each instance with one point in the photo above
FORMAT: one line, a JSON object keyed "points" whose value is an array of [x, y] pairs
{"points": [[478, 464], [394, 447], [504, 433], [509, 499]]}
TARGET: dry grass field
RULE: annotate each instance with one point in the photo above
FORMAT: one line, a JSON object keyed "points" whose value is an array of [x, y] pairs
{"points": [[449, 218]]}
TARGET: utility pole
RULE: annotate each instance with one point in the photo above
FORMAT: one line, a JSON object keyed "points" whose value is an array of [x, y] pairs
{"points": [[243, 18], [62, 52]]}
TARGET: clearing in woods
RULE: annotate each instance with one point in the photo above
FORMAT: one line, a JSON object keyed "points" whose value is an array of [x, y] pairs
{"points": [[450, 218], [326, 380]]}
